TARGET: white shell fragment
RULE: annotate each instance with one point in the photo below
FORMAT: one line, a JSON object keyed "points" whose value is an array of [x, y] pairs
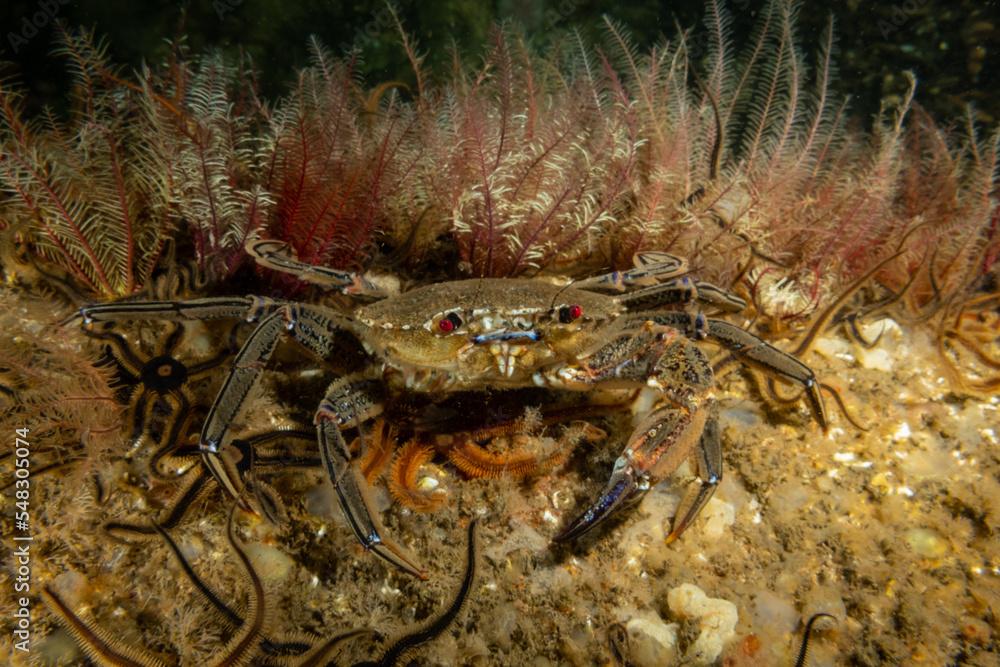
{"points": [[651, 641], [717, 619]]}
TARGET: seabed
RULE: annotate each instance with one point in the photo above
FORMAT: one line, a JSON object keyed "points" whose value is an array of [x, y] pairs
{"points": [[891, 531]]}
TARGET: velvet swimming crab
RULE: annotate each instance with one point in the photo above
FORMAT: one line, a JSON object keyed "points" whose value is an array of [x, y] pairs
{"points": [[616, 330]]}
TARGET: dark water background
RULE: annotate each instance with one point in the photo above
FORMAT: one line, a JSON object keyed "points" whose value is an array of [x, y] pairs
{"points": [[951, 45]]}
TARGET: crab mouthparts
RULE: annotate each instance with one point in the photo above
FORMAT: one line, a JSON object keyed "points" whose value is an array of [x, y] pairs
{"points": [[504, 348], [506, 336]]}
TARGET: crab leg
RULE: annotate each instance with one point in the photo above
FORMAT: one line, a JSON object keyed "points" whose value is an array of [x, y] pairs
{"points": [[311, 327], [682, 290], [650, 268], [682, 373], [213, 308], [752, 351], [279, 256], [707, 458], [350, 401], [673, 430], [247, 367]]}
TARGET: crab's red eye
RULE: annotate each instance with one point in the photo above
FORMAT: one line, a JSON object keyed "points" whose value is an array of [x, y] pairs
{"points": [[449, 323], [569, 313]]}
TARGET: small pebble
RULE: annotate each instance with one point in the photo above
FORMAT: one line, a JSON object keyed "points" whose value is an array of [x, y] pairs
{"points": [[651, 642], [877, 359], [717, 619], [272, 563], [926, 543], [718, 516]]}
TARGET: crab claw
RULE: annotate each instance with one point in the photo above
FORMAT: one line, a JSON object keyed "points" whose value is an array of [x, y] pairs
{"points": [[625, 485], [366, 527], [351, 492]]}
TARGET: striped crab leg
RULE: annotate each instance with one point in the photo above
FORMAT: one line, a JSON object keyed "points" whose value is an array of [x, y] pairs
{"points": [[683, 290], [247, 365], [314, 329], [649, 269], [352, 400], [752, 351], [660, 279], [662, 358], [279, 256]]}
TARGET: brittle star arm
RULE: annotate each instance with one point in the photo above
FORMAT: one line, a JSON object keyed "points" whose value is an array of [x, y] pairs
{"points": [[247, 365]]}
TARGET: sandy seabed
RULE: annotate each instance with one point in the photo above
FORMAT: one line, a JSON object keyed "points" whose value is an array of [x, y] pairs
{"points": [[893, 531]]}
